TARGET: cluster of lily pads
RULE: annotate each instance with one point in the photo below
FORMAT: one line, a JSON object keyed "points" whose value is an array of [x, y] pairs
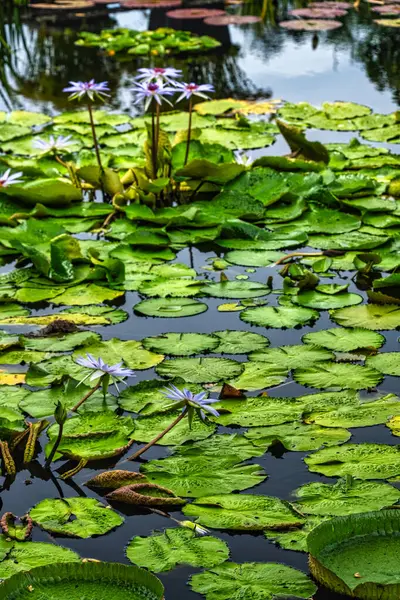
{"points": [[285, 232]]}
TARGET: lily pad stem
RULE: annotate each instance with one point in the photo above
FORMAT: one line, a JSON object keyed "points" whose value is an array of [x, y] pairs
{"points": [[159, 436], [95, 141], [189, 131], [55, 446], [90, 393], [296, 254]]}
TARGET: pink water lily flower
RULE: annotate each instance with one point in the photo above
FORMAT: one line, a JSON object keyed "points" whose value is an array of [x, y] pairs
{"points": [[193, 89], [90, 89]]}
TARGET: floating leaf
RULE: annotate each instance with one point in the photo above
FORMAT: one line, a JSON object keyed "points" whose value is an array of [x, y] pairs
{"points": [[363, 414], [298, 437], [265, 580], [315, 299], [164, 551], [132, 353], [147, 427], [261, 410], [239, 342], [258, 375], [77, 517], [370, 316], [236, 289], [221, 445], [291, 357], [362, 461], [181, 344], [145, 494], [342, 376], [170, 307], [345, 340], [115, 479], [200, 370], [387, 363], [279, 317], [148, 397], [196, 476]]}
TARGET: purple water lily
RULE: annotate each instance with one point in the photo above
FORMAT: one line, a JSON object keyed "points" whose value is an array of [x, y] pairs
{"points": [[186, 398], [149, 90], [159, 74], [9, 178], [117, 372], [90, 89], [193, 89], [53, 144]]}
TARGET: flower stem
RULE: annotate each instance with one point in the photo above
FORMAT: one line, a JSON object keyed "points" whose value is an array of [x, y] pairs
{"points": [[189, 131], [90, 393], [96, 143], [157, 124], [159, 436], [55, 447], [153, 141]]}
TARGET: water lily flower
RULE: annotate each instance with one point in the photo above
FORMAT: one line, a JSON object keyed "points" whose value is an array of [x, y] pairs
{"points": [[159, 74], [198, 529], [100, 369], [10, 179], [90, 89], [186, 398], [193, 89], [149, 90], [53, 144], [243, 159]]}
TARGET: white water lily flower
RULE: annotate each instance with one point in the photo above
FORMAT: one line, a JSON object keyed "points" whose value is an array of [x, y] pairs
{"points": [[10, 179], [53, 144]]}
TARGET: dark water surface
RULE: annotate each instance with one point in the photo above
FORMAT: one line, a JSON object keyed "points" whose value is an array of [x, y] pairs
{"points": [[359, 62]]}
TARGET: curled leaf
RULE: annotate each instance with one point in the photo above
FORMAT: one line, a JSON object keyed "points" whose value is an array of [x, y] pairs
{"points": [[115, 479], [145, 494]]}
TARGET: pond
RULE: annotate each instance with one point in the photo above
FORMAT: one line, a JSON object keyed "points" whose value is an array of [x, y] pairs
{"points": [[314, 336]]}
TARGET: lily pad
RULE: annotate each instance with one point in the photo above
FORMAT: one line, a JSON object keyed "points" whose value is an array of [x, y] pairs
{"points": [[239, 342], [310, 25], [170, 307], [244, 512], [315, 299], [265, 580], [363, 414], [292, 357], [200, 370], [148, 398], [146, 428], [279, 317], [76, 517], [236, 289], [369, 316], [345, 340], [261, 410], [338, 375], [24, 556], [221, 445], [253, 258], [195, 13], [181, 344], [259, 375], [346, 497], [298, 437], [387, 363], [318, 13], [164, 551], [362, 461], [195, 476], [131, 352]]}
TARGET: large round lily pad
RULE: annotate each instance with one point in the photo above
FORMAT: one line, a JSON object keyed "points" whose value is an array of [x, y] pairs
{"points": [[310, 25], [195, 13], [318, 13], [357, 555], [239, 342], [342, 339], [181, 344], [265, 581], [370, 316], [279, 317], [200, 370], [338, 375], [76, 517], [170, 307], [232, 20], [90, 580]]}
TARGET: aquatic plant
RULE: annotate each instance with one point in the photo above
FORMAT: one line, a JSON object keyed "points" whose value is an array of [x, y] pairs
{"points": [[191, 404], [89, 91], [60, 416], [8, 178], [106, 374]]}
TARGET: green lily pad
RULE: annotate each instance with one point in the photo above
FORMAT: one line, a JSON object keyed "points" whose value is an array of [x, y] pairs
{"points": [[253, 258], [354, 240], [294, 539], [179, 288], [263, 580], [297, 437], [85, 294], [387, 363], [362, 414], [236, 289], [24, 556], [370, 316], [342, 376], [221, 445], [321, 301], [112, 351], [239, 342], [347, 496], [200, 370], [261, 410], [195, 476], [325, 220], [279, 317], [170, 307], [362, 461], [292, 357], [258, 375], [146, 428], [181, 344], [345, 340], [76, 517], [164, 551], [244, 512]]}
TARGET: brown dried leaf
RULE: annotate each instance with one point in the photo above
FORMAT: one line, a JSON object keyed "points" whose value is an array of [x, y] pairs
{"points": [[115, 479], [145, 494]]}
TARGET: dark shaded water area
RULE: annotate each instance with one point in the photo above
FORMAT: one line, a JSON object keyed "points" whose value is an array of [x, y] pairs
{"points": [[359, 63]]}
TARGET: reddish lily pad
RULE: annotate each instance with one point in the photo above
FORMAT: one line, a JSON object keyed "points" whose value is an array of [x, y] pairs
{"points": [[388, 22], [390, 9], [70, 6], [232, 20], [195, 13], [318, 13], [330, 4], [310, 25]]}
